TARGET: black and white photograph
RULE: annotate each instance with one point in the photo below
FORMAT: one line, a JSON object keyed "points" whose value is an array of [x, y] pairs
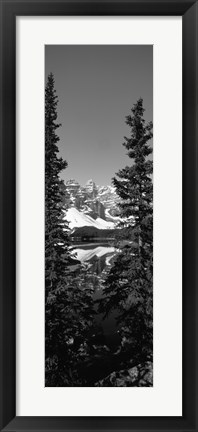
{"points": [[98, 216]]}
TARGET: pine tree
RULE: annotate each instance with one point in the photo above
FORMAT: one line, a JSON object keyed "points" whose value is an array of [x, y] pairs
{"points": [[68, 308], [56, 229], [128, 287], [56, 236]]}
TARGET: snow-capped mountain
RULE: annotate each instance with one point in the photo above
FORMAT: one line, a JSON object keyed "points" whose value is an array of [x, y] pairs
{"points": [[79, 219], [108, 197], [91, 205]]}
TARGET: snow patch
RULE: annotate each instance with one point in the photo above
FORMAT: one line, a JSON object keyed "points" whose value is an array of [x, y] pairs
{"points": [[77, 219]]}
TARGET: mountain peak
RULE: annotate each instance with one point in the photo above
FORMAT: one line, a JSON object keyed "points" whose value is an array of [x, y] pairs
{"points": [[92, 200], [72, 182], [90, 182]]}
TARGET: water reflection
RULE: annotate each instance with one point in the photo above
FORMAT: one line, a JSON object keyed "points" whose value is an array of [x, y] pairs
{"points": [[97, 258]]}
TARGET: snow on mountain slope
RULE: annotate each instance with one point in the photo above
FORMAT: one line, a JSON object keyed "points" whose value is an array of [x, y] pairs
{"points": [[109, 216], [108, 197], [104, 224], [79, 219]]}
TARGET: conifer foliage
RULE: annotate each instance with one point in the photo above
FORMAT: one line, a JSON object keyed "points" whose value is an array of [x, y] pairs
{"points": [[56, 236], [68, 307], [129, 284]]}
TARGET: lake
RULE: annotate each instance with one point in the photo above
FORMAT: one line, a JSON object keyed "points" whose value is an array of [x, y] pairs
{"points": [[97, 257]]}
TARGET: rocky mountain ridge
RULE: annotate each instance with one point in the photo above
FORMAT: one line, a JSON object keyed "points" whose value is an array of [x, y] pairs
{"points": [[93, 200]]}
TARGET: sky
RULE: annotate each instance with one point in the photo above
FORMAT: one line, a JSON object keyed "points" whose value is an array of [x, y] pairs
{"points": [[97, 86]]}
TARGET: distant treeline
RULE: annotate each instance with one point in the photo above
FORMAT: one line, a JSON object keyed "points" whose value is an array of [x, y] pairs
{"points": [[88, 232]]}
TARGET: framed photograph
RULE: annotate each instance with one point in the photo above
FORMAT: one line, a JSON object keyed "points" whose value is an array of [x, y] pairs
{"points": [[98, 215]]}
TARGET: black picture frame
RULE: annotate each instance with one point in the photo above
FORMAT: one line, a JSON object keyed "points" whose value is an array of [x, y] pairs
{"points": [[9, 11]]}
